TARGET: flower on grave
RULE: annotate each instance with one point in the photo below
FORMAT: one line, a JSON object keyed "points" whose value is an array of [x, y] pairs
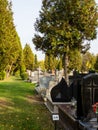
{"points": [[95, 107]]}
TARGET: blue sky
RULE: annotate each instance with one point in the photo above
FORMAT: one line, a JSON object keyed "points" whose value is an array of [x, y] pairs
{"points": [[25, 14]]}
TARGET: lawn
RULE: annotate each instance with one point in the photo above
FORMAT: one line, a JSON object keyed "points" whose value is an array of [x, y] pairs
{"points": [[21, 108]]}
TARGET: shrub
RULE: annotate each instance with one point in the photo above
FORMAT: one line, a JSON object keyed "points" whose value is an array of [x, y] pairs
{"points": [[17, 73], [24, 75], [2, 75]]}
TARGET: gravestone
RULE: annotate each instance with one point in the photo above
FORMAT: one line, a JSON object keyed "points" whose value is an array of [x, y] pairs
{"points": [[61, 92], [52, 83], [44, 84], [89, 92]]}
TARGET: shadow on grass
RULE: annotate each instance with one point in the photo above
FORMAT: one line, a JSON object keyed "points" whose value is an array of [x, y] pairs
{"points": [[21, 108]]}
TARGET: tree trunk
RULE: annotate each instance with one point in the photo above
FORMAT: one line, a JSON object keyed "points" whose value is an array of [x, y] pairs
{"points": [[9, 70], [66, 68]]}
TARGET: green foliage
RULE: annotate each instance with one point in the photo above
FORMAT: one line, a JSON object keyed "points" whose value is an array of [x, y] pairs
{"points": [[88, 61], [75, 60], [36, 65], [22, 68], [42, 65], [65, 26], [17, 73], [96, 64], [10, 46], [59, 64], [2, 75], [50, 62], [24, 76], [28, 57], [46, 62]]}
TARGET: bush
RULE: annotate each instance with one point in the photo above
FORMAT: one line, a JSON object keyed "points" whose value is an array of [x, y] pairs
{"points": [[17, 73], [24, 75], [2, 75]]}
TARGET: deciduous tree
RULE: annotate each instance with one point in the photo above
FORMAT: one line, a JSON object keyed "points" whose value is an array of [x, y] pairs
{"points": [[96, 64], [88, 61]]}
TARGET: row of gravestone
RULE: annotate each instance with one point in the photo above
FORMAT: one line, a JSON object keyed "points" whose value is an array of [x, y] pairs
{"points": [[34, 76], [57, 90], [84, 89]]}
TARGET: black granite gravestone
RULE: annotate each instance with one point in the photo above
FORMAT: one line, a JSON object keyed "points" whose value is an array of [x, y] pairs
{"points": [[60, 92], [89, 92]]}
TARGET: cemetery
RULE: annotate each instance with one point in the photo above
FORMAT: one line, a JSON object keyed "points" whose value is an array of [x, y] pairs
{"points": [[63, 31], [75, 107]]}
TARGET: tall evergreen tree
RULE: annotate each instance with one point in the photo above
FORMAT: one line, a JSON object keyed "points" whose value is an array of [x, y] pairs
{"points": [[64, 26], [28, 57], [46, 62], [35, 62], [50, 62], [42, 65], [10, 46]]}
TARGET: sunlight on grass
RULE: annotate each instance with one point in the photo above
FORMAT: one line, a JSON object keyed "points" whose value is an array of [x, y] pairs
{"points": [[21, 108], [5, 104]]}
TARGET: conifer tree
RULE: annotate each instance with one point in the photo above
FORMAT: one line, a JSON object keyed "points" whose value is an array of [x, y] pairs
{"points": [[28, 57], [65, 25], [35, 62], [50, 62], [10, 46]]}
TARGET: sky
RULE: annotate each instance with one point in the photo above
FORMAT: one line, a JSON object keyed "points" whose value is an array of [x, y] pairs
{"points": [[25, 13]]}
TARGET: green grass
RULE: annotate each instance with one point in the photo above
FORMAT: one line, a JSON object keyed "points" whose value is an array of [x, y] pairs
{"points": [[20, 107]]}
